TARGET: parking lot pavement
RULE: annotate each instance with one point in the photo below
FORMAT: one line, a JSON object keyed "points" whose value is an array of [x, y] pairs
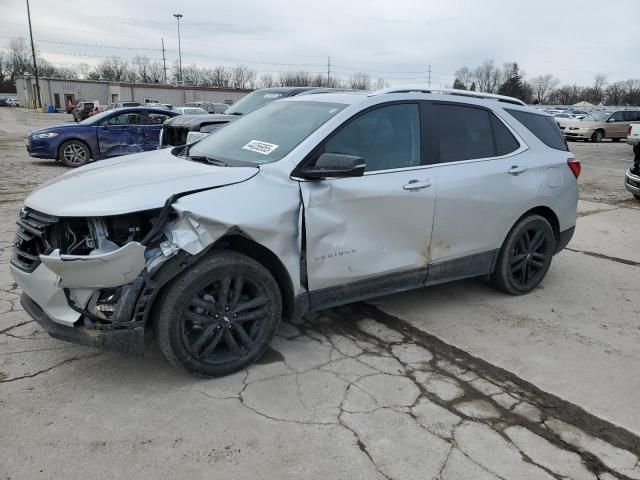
{"points": [[451, 382]]}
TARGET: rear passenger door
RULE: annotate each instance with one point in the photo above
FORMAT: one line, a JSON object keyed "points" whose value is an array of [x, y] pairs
{"points": [[616, 125], [484, 177]]}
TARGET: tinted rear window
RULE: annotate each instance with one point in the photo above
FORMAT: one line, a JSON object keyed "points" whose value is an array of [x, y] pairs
{"points": [[545, 128], [505, 141], [464, 132]]}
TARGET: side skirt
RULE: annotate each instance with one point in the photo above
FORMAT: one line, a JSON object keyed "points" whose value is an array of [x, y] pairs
{"points": [[450, 270]]}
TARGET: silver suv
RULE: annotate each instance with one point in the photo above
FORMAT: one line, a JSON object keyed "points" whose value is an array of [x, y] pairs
{"points": [[303, 204]]}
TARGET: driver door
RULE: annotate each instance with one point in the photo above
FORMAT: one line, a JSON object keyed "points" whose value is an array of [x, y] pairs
{"points": [[121, 134], [371, 235]]}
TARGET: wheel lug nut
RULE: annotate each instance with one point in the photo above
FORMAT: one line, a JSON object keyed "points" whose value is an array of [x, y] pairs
{"points": [[226, 309], [235, 315]]}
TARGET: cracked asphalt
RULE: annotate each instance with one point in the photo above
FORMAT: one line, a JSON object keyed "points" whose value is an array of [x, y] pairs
{"points": [[452, 382]]}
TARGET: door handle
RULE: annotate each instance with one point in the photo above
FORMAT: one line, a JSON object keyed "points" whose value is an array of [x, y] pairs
{"points": [[517, 170], [417, 185]]}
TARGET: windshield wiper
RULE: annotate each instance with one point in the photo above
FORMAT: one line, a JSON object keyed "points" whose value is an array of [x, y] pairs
{"points": [[234, 113], [205, 159]]}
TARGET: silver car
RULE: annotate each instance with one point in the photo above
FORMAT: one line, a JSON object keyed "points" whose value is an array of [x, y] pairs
{"points": [[303, 204]]}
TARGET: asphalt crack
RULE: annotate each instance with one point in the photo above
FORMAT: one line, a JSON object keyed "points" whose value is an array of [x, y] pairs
{"points": [[632, 263]]}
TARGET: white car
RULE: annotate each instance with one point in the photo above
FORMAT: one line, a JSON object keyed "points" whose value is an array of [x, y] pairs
{"points": [[190, 111]]}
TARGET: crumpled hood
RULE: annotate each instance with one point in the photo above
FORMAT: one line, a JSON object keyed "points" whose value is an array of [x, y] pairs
{"points": [[132, 183]]}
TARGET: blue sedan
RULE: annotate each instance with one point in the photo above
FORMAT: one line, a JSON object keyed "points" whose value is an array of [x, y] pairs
{"points": [[109, 134]]}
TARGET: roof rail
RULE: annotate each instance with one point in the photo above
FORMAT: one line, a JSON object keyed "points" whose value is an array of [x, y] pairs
{"points": [[448, 91]]}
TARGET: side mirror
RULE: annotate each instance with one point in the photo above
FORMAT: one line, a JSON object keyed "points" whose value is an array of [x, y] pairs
{"points": [[334, 165], [611, 120]]}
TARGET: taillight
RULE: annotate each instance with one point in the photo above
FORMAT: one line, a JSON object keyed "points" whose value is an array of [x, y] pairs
{"points": [[575, 166]]}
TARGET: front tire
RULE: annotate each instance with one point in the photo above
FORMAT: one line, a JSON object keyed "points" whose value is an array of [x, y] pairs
{"points": [[525, 257], [597, 136], [74, 154], [220, 315]]}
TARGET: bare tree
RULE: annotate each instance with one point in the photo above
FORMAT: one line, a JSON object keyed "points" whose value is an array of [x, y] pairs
{"points": [[266, 80], [632, 91], [113, 68], [19, 59], [487, 77], [156, 72], [141, 67], [83, 70], [615, 93], [295, 79], [380, 84], [218, 77], [465, 77], [360, 81], [542, 86]]}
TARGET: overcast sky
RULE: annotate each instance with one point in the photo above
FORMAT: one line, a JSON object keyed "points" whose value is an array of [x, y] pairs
{"points": [[392, 39]]}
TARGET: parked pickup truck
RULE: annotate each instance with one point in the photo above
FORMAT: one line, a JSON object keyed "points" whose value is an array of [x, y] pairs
{"points": [[632, 177]]}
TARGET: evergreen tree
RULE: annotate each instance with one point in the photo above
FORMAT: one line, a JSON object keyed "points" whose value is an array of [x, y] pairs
{"points": [[513, 85], [458, 85]]}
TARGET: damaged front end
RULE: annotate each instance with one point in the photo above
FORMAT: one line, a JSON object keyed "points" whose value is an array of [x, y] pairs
{"points": [[86, 280]]}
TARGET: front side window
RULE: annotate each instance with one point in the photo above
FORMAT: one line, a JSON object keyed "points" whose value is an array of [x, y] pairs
{"points": [[156, 118], [386, 138], [267, 134], [125, 119], [464, 132], [616, 117]]}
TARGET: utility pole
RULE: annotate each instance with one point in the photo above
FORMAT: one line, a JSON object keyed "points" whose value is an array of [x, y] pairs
{"points": [[35, 65], [164, 62], [429, 76], [178, 17], [328, 70]]}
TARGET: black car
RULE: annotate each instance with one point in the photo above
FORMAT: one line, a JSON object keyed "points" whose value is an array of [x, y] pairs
{"points": [[176, 130]]}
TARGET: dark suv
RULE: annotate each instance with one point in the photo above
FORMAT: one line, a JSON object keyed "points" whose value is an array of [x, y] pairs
{"points": [[190, 128]]}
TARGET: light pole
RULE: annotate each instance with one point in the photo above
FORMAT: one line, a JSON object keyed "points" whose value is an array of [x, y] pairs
{"points": [[35, 65], [178, 17]]}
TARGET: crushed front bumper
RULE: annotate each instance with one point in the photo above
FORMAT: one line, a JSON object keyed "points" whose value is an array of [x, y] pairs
{"points": [[632, 182], [129, 341]]}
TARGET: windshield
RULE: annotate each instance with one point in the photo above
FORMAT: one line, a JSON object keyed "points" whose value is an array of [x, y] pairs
{"points": [[596, 117], [97, 118], [253, 101], [267, 134], [193, 111]]}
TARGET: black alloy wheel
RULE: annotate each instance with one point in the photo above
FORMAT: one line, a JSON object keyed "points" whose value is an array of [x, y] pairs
{"points": [[220, 315], [525, 256]]}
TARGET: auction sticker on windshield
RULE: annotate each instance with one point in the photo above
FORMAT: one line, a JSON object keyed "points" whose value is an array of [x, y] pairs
{"points": [[260, 147]]}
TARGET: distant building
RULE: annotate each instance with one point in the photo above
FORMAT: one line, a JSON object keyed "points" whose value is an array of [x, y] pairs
{"points": [[60, 93]]}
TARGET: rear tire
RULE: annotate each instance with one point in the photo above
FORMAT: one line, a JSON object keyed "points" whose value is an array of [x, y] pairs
{"points": [[637, 196], [219, 316], [525, 257], [74, 154]]}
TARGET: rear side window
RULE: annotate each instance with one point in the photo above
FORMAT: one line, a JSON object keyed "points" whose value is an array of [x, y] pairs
{"points": [[545, 128], [465, 133], [505, 141]]}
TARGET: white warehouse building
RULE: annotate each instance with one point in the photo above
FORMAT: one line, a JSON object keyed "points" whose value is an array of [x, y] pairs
{"points": [[60, 93]]}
